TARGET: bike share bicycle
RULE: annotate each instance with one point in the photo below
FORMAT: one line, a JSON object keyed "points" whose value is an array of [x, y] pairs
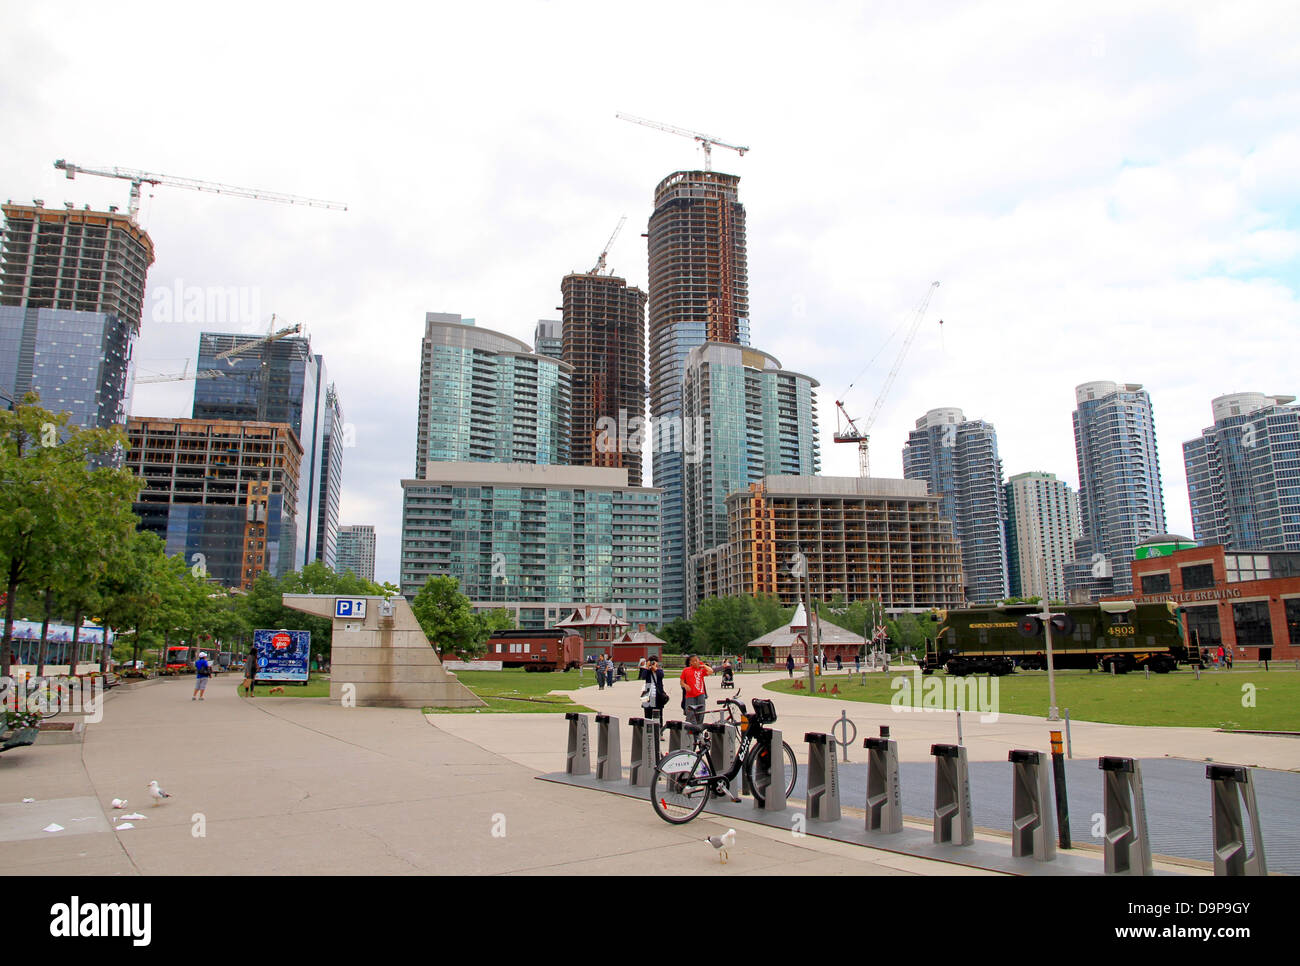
{"points": [[684, 782]]}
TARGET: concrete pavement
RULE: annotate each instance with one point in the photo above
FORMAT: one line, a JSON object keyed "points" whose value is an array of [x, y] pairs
{"points": [[280, 785]]}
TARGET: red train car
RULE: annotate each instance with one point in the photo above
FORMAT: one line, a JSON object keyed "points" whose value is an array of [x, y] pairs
{"points": [[550, 650]]}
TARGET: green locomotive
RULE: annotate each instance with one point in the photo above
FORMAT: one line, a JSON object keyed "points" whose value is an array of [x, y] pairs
{"points": [[1120, 634]]}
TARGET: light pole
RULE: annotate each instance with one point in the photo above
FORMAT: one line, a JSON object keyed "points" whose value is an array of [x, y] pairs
{"points": [[799, 567], [1046, 617]]}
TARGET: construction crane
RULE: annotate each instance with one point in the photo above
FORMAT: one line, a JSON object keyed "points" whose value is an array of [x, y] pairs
{"points": [[704, 139], [263, 371], [270, 337], [600, 262], [184, 376], [849, 431], [138, 178]]}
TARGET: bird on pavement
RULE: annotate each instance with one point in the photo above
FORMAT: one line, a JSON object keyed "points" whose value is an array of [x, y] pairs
{"points": [[156, 793], [723, 842]]}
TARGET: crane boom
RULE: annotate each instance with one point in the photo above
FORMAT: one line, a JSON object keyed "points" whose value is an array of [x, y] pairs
{"points": [[258, 343], [902, 354], [706, 140], [138, 178], [600, 262]]}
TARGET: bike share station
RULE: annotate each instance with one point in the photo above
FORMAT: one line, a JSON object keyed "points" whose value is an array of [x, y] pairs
{"points": [[1238, 846]]}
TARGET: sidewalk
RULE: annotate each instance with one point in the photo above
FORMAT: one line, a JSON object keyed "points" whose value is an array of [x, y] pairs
{"points": [[302, 786]]}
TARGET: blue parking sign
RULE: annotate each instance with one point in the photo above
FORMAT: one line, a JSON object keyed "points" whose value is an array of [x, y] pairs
{"points": [[350, 607]]}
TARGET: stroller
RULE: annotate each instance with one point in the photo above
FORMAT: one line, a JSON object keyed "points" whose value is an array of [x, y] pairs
{"points": [[728, 677]]}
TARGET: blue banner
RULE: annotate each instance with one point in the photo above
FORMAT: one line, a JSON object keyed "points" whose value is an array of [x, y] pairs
{"points": [[282, 655]]}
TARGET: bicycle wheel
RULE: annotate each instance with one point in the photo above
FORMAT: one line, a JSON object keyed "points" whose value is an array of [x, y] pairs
{"points": [[680, 788], [45, 701], [751, 769]]}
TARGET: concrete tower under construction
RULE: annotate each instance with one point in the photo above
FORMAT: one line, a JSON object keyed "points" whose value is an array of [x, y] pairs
{"points": [[699, 292], [604, 341]]}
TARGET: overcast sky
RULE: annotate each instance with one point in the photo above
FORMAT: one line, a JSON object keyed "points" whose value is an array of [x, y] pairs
{"points": [[1105, 191]]}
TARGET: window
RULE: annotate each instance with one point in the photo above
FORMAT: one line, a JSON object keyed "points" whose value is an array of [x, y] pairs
{"points": [[1156, 584], [1293, 621], [1203, 626], [1198, 577], [1252, 622]]}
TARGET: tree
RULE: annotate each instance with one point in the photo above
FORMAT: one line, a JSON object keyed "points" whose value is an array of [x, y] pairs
{"points": [[677, 636], [726, 625], [444, 614]]}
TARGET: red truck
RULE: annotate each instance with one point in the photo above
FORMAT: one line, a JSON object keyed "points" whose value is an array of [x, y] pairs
{"points": [[550, 650]]}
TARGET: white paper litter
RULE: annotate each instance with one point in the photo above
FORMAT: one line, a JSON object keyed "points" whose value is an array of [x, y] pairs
{"points": [[124, 825], [134, 816], [29, 799], [52, 828]]}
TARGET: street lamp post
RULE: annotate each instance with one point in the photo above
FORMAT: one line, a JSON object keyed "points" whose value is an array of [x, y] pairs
{"points": [[1046, 617]]}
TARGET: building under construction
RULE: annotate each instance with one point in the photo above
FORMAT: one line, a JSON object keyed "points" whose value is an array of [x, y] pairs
{"points": [[864, 538], [72, 288], [699, 292], [222, 492], [604, 341]]}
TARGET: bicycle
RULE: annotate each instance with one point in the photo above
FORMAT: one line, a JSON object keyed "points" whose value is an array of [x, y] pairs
{"points": [[40, 696], [684, 782]]}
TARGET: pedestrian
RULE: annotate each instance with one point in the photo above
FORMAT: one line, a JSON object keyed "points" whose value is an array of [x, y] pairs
{"points": [[839, 662], [250, 672], [694, 693], [600, 672], [653, 697], [1218, 658], [1227, 657], [789, 664], [202, 671], [622, 672], [857, 662]]}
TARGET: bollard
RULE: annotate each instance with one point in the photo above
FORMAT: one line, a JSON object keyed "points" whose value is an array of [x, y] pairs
{"points": [[1069, 746], [1058, 786], [1128, 850], [645, 752], [1147, 668], [769, 773], [844, 724], [1234, 788], [823, 800], [1113, 672], [609, 764], [953, 824], [1032, 832], [578, 759], [677, 736], [1197, 669], [722, 747], [884, 794], [959, 741]]}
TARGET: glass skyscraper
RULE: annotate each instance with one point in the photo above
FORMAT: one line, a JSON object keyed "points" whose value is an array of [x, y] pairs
{"points": [[1243, 474], [277, 382], [699, 292], [958, 459], [71, 297], [485, 396], [744, 418], [1121, 499]]}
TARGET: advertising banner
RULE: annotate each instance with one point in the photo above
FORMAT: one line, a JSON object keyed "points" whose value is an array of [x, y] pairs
{"points": [[282, 655]]}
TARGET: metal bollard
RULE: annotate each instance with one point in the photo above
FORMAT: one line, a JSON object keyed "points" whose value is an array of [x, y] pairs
{"points": [[722, 746], [677, 740], [1033, 832], [645, 752], [609, 763], [578, 759], [823, 800], [769, 773], [1128, 850], [1234, 788], [884, 795], [953, 824]]}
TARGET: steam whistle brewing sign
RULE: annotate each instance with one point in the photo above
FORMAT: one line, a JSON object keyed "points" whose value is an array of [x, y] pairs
{"points": [[282, 655]]}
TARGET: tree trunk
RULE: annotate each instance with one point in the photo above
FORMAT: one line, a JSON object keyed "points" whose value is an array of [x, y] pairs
{"points": [[76, 640], [45, 633], [6, 648]]}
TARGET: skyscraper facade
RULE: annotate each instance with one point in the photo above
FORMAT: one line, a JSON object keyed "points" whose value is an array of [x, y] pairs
{"points": [[1121, 499], [548, 338], [356, 551], [958, 459], [604, 342], [330, 490], [71, 298], [486, 396], [279, 381], [750, 419], [1042, 526], [699, 292], [1243, 474]]}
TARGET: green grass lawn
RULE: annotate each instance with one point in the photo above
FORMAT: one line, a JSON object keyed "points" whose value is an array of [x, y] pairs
{"points": [[516, 691], [317, 686], [1172, 700]]}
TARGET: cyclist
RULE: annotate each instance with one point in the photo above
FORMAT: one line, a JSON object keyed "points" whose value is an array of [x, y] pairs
{"points": [[694, 693]]}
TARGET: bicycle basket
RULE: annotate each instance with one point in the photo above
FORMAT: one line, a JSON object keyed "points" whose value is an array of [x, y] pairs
{"points": [[764, 711]]}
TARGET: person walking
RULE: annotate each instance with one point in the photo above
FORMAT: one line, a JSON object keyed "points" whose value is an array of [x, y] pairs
{"points": [[653, 697], [600, 672], [694, 694], [202, 672], [789, 664], [839, 662], [250, 672]]}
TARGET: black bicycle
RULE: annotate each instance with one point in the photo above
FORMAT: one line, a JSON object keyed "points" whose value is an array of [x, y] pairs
{"points": [[684, 780]]}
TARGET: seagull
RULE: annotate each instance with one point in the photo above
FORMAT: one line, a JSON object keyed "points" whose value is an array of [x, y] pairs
{"points": [[156, 793], [723, 842]]}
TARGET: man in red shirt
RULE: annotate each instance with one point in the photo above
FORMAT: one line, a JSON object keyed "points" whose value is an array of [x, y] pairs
{"points": [[693, 693]]}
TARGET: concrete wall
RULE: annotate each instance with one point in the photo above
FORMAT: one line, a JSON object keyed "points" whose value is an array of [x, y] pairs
{"points": [[385, 658]]}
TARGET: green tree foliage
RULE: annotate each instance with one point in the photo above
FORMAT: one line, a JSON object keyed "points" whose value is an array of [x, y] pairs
{"points": [[444, 614], [677, 636], [726, 625]]}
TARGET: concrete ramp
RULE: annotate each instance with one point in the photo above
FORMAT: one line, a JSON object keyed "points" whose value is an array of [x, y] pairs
{"points": [[381, 652]]}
